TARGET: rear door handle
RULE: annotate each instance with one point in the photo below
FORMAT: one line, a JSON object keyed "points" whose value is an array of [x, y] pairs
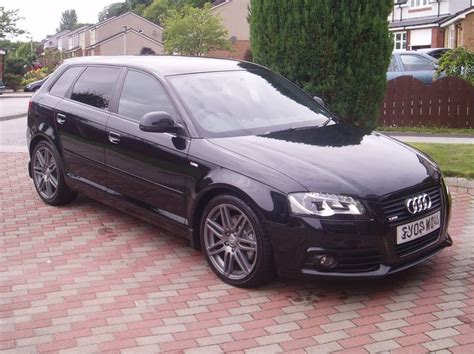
{"points": [[60, 118], [114, 138]]}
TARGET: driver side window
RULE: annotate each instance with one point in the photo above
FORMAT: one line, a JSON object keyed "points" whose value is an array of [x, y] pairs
{"points": [[142, 94]]}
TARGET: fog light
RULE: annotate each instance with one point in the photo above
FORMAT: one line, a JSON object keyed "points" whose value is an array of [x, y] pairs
{"points": [[326, 261]]}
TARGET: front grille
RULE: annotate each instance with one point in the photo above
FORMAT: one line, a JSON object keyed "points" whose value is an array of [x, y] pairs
{"points": [[408, 248], [395, 207], [349, 262]]}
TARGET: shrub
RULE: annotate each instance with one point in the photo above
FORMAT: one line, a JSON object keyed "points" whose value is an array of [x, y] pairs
{"points": [[458, 62], [35, 75], [336, 49], [13, 81]]}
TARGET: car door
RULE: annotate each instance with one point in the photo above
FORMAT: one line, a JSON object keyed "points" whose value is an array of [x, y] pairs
{"points": [[81, 119], [418, 66], [143, 168]]}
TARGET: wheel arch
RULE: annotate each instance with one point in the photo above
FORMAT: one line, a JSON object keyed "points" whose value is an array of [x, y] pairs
{"points": [[264, 202]]}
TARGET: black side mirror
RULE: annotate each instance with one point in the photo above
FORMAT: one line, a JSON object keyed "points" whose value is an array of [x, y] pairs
{"points": [[319, 100], [159, 122]]}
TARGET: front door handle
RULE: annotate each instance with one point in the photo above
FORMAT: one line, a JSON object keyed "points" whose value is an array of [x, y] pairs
{"points": [[61, 118], [114, 138]]}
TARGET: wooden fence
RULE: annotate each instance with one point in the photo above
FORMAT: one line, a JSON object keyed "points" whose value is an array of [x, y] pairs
{"points": [[448, 102]]}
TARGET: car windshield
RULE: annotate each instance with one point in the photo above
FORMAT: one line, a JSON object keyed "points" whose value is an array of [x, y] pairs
{"points": [[235, 103]]}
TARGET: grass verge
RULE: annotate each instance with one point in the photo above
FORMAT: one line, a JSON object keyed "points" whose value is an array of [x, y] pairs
{"points": [[455, 160], [427, 130]]}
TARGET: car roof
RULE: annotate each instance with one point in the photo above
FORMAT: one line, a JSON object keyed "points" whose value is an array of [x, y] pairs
{"points": [[415, 52], [429, 50], [167, 65]]}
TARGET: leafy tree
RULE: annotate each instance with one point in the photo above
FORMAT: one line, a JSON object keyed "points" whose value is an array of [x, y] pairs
{"points": [[158, 10], [115, 9], [68, 21], [458, 62], [336, 49], [8, 23], [194, 31]]}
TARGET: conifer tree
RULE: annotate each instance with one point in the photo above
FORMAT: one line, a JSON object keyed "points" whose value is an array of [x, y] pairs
{"points": [[336, 49]]}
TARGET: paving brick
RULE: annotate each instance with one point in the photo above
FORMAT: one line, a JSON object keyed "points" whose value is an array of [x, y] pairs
{"points": [[335, 326], [442, 333], [384, 346], [440, 344], [330, 337], [225, 329]]}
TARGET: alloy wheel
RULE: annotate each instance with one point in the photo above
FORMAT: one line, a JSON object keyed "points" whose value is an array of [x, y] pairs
{"points": [[45, 173], [230, 241]]}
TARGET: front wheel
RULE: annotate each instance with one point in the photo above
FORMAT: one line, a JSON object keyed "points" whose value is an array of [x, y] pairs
{"points": [[236, 246], [48, 175]]}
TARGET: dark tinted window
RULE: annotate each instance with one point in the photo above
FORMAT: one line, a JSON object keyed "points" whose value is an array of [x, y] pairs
{"points": [[142, 94], [61, 86], [95, 86]]}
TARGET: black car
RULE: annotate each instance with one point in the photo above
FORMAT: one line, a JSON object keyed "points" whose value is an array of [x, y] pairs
{"points": [[35, 85], [241, 162]]}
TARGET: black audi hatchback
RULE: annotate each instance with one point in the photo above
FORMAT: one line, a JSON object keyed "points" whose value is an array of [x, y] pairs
{"points": [[241, 162]]}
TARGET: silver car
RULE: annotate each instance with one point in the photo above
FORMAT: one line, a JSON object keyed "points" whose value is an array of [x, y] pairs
{"points": [[416, 64]]}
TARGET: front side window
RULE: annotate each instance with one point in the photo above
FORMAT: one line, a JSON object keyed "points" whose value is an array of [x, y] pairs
{"points": [[416, 63], [61, 86], [95, 86], [250, 102], [400, 40], [393, 64], [142, 94]]}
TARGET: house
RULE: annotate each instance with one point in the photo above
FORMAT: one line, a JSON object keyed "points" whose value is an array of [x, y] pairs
{"points": [[459, 29], [74, 48], [417, 24], [233, 14], [124, 34], [52, 42]]}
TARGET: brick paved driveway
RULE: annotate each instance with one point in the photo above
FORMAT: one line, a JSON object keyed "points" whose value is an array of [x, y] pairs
{"points": [[86, 278]]}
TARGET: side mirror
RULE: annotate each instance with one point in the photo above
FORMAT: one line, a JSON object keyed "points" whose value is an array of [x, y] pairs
{"points": [[319, 100], [159, 122]]}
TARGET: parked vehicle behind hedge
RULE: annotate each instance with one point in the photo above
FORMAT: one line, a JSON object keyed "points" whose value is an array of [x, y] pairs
{"points": [[416, 64]]}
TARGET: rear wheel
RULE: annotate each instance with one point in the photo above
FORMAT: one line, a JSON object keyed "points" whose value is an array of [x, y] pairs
{"points": [[48, 176], [236, 246]]}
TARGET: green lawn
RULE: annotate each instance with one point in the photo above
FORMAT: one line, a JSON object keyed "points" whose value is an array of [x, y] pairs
{"points": [[427, 130], [455, 160]]}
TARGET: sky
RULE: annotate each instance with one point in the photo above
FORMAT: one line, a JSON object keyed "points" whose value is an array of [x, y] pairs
{"points": [[42, 17]]}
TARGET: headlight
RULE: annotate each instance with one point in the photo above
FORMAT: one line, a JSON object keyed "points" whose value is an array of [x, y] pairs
{"points": [[322, 204]]}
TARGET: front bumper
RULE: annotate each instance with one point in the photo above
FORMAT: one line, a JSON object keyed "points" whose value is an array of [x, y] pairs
{"points": [[360, 248]]}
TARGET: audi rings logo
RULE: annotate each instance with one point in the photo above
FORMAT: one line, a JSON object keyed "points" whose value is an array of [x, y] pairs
{"points": [[418, 204]]}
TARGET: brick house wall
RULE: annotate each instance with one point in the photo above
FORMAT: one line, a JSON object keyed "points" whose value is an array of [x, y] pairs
{"points": [[467, 32], [437, 37]]}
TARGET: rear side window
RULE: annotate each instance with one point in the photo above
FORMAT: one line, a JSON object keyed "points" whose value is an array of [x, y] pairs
{"points": [[95, 86], [65, 81], [142, 94], [416, 62]]}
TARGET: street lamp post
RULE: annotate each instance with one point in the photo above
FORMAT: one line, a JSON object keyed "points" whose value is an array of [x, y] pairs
{"points": [[124, 40]]}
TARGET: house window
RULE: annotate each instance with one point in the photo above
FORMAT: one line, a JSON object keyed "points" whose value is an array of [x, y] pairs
{"points": [[400, 40], [419, 3]]}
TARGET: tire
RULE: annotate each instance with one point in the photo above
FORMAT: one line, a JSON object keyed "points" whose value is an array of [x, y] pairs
{"points": [[48, 175], [238, 250]]}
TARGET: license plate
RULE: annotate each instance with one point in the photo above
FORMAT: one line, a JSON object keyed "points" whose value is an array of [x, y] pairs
{"points": [[419, 228]]}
